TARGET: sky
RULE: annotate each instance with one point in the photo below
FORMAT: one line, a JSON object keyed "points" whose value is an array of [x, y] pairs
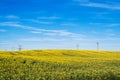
{"points": [[60, 24]]}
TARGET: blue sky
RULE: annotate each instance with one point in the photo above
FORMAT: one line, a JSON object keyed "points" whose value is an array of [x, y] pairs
{"points": [[59, 24]]}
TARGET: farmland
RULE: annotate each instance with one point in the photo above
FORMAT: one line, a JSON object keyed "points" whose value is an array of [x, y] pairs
{"points": [[59, 65]]}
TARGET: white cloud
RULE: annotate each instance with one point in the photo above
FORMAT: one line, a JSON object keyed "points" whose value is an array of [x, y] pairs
{"points": [[2, 30], [66, 39], [16, 24], [50, 34], [4, 42], [12, 17], [105, 24], [57, 33], [88, 3], [39, 30], [111, 34], [113, 25], [94, 23], [102, 39], [49, 17], [69, 24], [81, 0], [41, 39], [36, 32], [95, 32], [40, 22], [101, 5], [66, 33], [63, 33], [109, 30]]}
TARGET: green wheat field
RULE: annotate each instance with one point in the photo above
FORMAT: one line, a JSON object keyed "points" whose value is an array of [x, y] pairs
{"points": [[59, 65]]}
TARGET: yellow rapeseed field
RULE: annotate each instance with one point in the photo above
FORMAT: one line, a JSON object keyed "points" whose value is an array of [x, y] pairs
{"points": [[59, 65]]}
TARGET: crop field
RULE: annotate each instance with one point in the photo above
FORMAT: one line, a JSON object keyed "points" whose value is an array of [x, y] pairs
{"points": [[59, 65]]}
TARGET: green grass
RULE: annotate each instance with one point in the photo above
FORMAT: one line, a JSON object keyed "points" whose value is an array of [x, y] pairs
{"points": [[59, 65]]}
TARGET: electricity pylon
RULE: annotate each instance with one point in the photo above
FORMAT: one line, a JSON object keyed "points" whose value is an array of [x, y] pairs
{"points": [[19, 47], [97, 45], [77, 46]]}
